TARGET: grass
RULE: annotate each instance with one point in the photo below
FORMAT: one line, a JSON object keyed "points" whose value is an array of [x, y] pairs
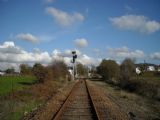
{"points": [[14, 108], [7, 83], [28, 94], [146, 84]]}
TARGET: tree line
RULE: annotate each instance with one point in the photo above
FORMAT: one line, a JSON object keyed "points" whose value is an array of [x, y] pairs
{"points": [[115, 73], [56, 70]]}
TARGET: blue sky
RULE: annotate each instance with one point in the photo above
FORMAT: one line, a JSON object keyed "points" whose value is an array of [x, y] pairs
{"points": [[111, 29]]}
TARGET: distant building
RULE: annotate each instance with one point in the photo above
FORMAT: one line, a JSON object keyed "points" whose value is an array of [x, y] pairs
{"points": [[151, 68], [2, 73]]}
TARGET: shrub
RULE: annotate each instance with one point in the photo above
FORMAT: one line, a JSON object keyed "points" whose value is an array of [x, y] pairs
{"points": [[59, 69], [40, 72], [147, 86]]}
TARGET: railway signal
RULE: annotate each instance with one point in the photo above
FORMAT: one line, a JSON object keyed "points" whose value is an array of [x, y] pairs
{"points": [[73, 61]]}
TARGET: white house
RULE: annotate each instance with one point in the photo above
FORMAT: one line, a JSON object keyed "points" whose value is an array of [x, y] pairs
{"points": [[2, 73], [150, 68]]}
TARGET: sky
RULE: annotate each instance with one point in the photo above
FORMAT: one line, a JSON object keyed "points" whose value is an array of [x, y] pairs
{"points": [[45, 30]]}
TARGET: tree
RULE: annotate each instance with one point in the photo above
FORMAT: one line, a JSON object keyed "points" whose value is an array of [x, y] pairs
{"points": [[81, 69], [25, 69], [127, 69], [109, 70], [10, 70], [59, 69], [40, 72]]}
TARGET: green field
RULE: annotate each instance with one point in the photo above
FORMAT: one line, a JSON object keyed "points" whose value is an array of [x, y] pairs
{"points": [[14, 108], [9, 83]]}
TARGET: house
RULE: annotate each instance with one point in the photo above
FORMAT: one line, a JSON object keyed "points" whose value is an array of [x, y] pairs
{"points": [[2, 73], [150, 68]]}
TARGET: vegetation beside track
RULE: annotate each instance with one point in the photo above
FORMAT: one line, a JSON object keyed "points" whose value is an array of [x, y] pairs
{"points": [[30, 89], [136, 106], [124, 76], [9, 83]]}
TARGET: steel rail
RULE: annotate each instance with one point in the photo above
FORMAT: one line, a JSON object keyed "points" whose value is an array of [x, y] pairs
{"points": [[66, 102], [60, 111], [92, 101]]}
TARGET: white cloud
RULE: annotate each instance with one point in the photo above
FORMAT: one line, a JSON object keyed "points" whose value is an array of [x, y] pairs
{"points": [[27, 37], [155, 56], [67, 57], [138, 23], [36, 50], [9, 47], [63, 18], [6, 65], [124, 52], [81, 42], [12, 56], [86, 60], [68, 52], [11, 53]]}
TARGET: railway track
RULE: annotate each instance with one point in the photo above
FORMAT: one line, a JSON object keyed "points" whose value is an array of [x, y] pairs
{"points": [[78, 105]]}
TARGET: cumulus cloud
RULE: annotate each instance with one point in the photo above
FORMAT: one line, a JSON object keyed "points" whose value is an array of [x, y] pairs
{"points": [[86, 60], [66, 55], [155, 56], [6, 65], [12, 56], [81, 42], [11, 53], [27, 37], [9, 47], [124, 52], [68, 52], [138, 23], [63, 18]]}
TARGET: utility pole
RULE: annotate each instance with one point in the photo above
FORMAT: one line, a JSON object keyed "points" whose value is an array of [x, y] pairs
{"points": [[73, 61]]}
